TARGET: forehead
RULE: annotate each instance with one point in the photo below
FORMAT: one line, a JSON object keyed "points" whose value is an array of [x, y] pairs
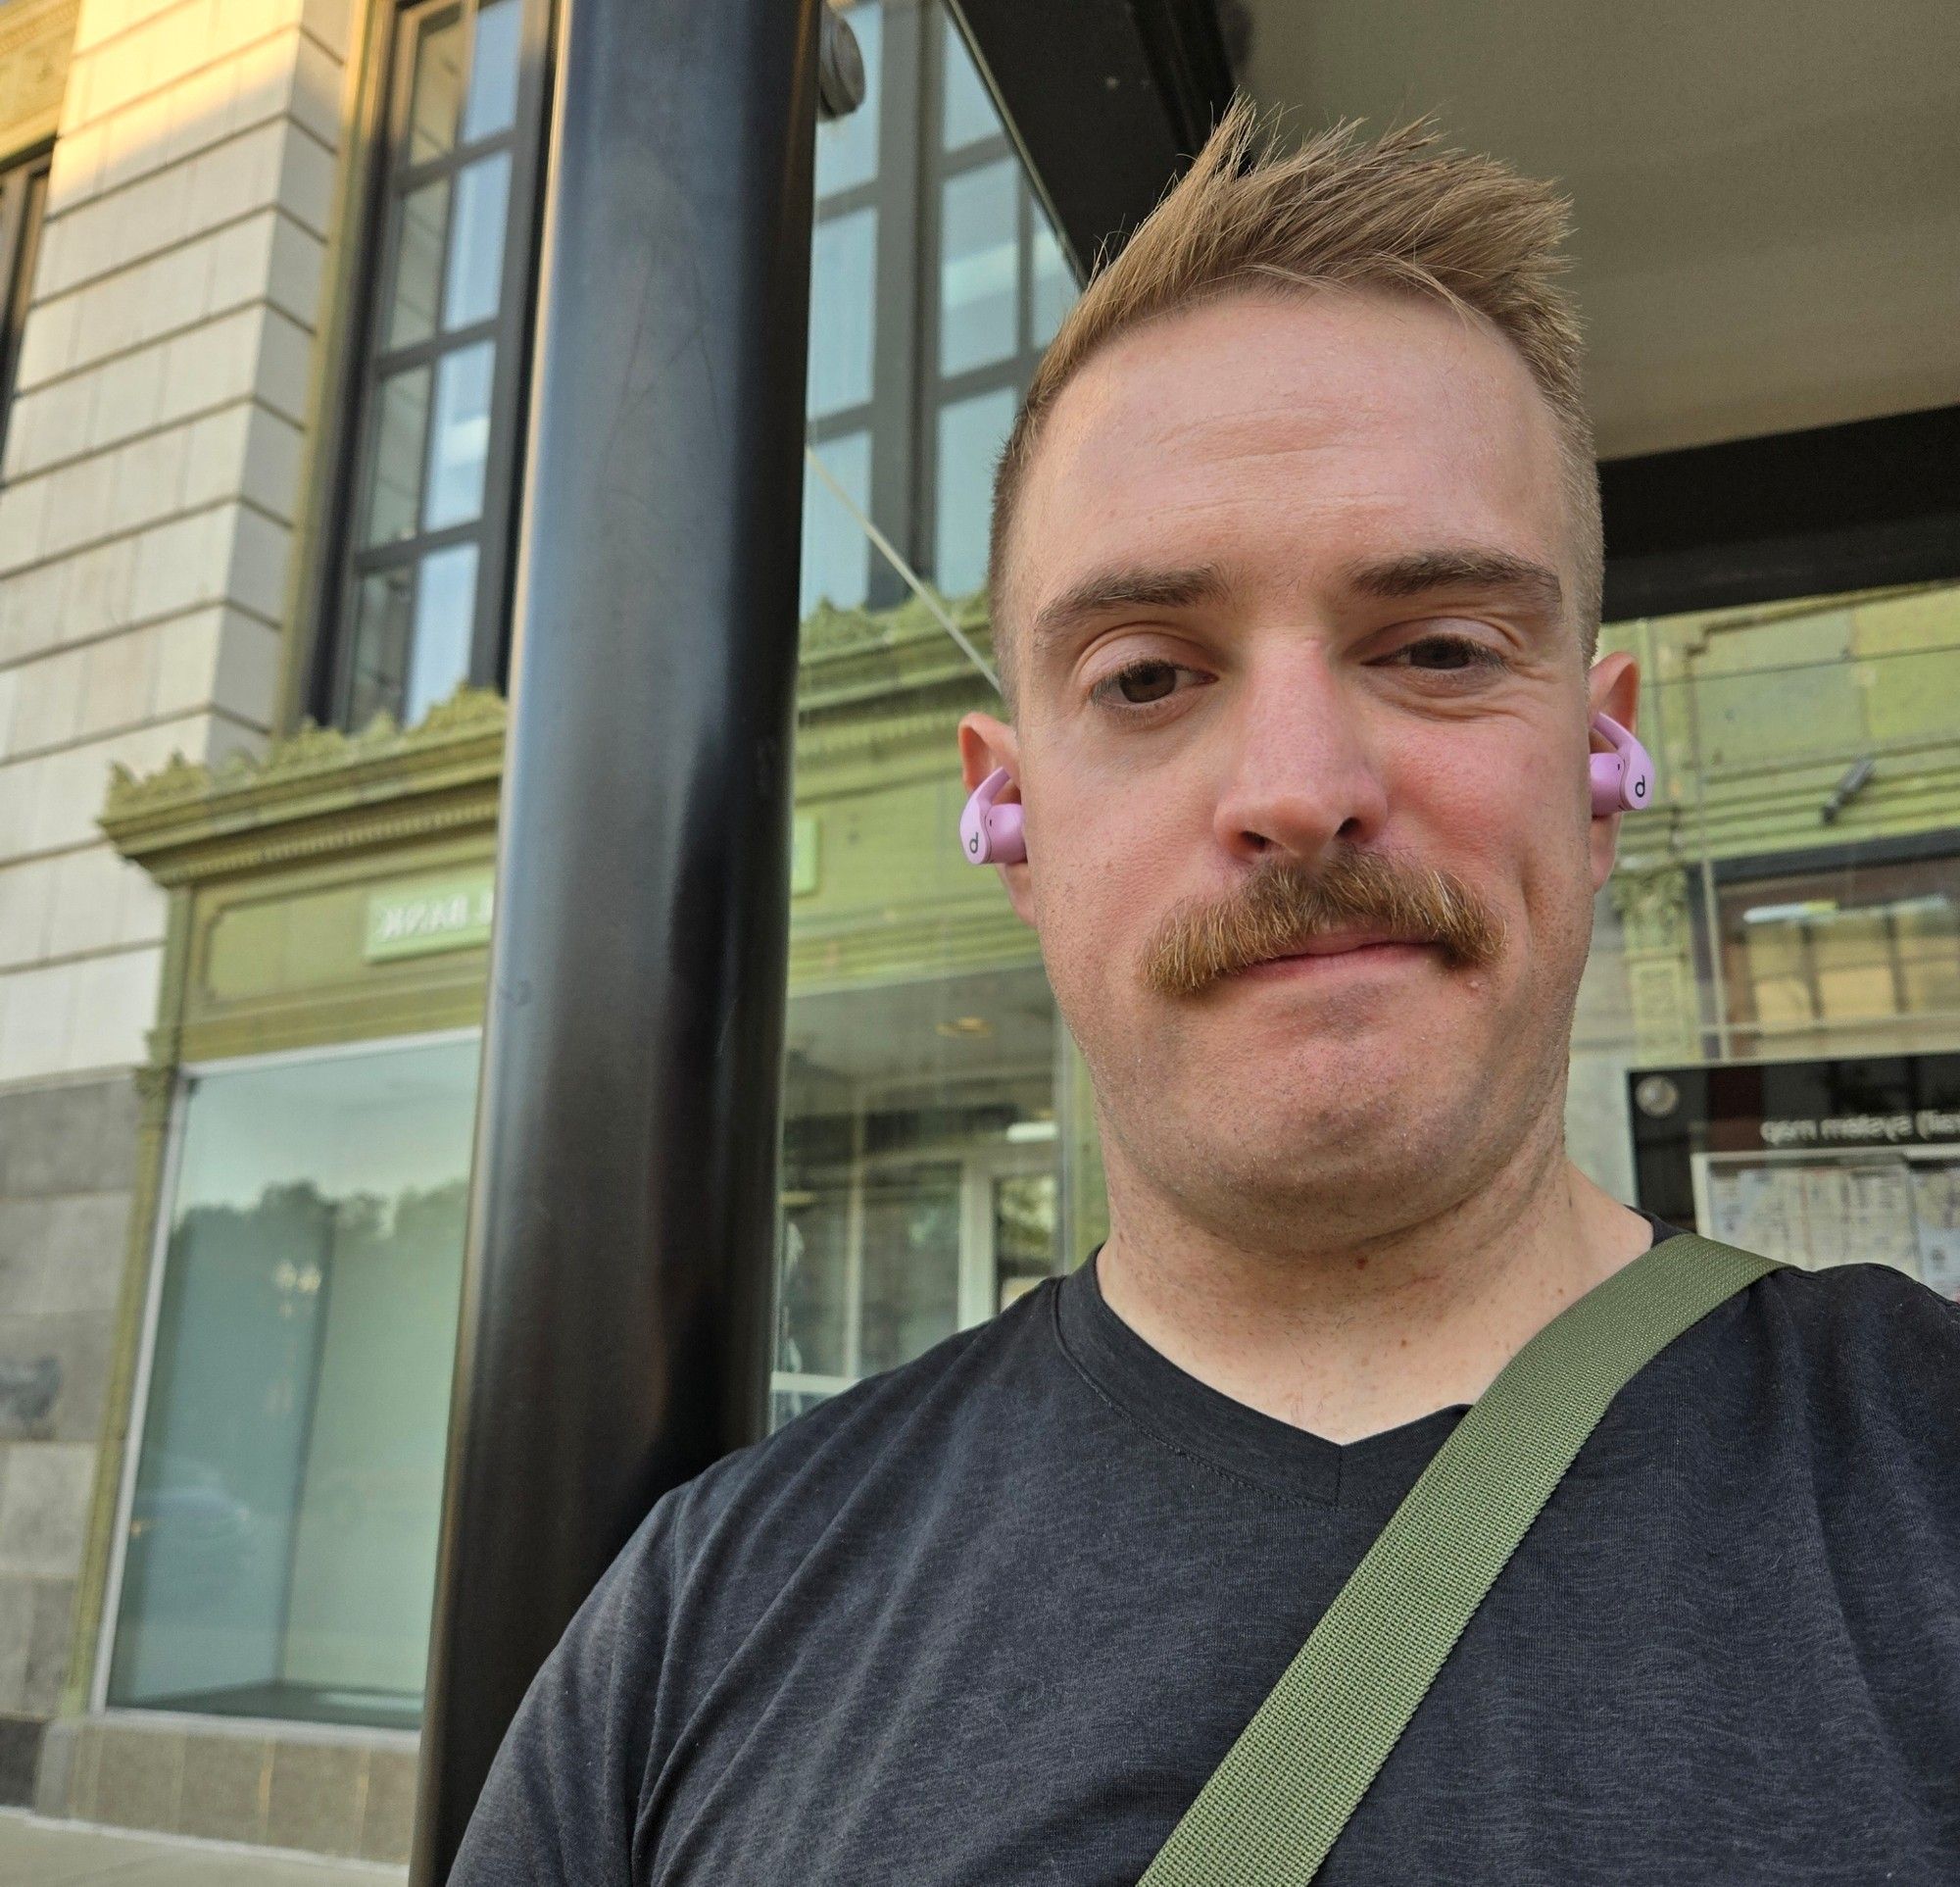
{"points": [[1284, 436]]}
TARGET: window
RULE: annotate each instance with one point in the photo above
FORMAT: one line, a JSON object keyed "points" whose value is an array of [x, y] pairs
{"points": [[935, 283], [1867, 943], [278, 1548], [418, 594], [23, 189]]}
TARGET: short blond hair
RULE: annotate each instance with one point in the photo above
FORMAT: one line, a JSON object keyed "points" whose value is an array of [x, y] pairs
{"points": [[1396, 212]]}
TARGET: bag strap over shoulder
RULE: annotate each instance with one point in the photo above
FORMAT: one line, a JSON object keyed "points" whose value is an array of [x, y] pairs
{"points": [[1277, 1803]]}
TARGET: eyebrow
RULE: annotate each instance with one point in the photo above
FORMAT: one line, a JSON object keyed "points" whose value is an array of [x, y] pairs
{"points": [[1488, 572], [1106, 591]]}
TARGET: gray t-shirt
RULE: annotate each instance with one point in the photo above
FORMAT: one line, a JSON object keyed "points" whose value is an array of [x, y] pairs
{"points": [[992, 1617]]}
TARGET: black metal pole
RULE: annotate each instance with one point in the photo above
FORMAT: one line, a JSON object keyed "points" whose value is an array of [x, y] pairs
{"points": [[614, 1328]]}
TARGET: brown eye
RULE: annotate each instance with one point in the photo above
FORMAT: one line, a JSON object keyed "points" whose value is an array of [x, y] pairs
{"points": [[1147, 681], [1450, 652]]}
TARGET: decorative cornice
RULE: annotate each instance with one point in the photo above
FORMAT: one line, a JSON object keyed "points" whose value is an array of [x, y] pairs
{"points": [[317, 791]]}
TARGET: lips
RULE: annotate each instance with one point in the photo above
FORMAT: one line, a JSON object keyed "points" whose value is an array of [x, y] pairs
{"points": [[1340, 942]]}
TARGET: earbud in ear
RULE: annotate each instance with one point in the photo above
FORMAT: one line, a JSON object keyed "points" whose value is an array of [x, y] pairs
{"points": [[1622, 780], [991, 834]]}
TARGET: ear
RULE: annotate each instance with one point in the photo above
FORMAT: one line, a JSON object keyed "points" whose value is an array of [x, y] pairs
{"points": [[985, 744], [1613, 688]]}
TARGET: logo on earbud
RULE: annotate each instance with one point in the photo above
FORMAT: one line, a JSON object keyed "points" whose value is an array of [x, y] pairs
{"points": [[1640, 789]]}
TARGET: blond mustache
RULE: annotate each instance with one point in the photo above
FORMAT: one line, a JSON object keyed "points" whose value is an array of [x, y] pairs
{"points": [[1285, 906]]}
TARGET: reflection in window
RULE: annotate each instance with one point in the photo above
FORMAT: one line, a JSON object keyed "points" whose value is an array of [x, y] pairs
{"points": [[919, 1160], [836, 559], [936, 282], [435, 430], [1871, 943], [971, 433], [279, 1556]]}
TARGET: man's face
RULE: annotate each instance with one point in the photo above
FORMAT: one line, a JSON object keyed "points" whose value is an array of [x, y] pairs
{"points": [[1285, 593]]}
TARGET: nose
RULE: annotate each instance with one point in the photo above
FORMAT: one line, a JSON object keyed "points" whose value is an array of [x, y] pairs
{"points": [[1300, 776]]}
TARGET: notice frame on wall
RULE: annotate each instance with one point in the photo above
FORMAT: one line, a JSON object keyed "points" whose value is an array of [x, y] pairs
{"points": [[1818, 1162]]}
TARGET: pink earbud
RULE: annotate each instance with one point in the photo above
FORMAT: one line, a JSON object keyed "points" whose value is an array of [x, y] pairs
{"points": [[991, 834], [1622, 780]]}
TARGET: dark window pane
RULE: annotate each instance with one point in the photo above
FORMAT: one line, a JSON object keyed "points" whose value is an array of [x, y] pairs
{"points": [[436, 94], [978, 257], [1054, 289], [842, 257], [444, 617], [380, 644], [493, 73], [424, 219], [969, 114], [835, 549], [460, 438], [476, 242], [847, 148], [401, 412], [971, 433]]}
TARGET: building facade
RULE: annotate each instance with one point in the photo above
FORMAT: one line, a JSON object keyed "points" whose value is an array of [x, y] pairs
{"points": [[270, 267]]}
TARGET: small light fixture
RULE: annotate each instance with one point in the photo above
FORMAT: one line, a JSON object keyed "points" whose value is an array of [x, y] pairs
{"points": [[965, 1028]]}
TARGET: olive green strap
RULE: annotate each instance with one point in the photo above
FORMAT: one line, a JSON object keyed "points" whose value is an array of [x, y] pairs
{"points": [[1278, 1802]]}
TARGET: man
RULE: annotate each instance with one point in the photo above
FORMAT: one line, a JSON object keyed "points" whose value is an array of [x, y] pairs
{"points": [[1296, 580]]}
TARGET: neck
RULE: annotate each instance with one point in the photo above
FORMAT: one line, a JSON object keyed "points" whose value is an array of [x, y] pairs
{"points": [[1350, 1335]]}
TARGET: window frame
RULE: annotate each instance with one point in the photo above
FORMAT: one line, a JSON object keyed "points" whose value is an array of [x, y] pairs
{"points": [[24, 196], [183, 1079], [341, 561]]}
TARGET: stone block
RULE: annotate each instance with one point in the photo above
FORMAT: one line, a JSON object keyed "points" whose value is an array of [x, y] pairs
{"points": [[316, 1798], [305, 179], [142, 908], [119, 679], [182, 563], [77, 504], [36, 1006], [331, 23], [138, 1775], [260, 547], [17, 1630], [54, 1786], [284, 366], [44, 1508], [129, 393], [26, 908], [47, 703], [50, 1638], [65, 1137], [202, 108], [47, 342], [54, 1375], [115, 1008], [84, 1244], [95, 590], [227, 1787], [86, 888], [23, 511], [19, 1759], [294, 282], [319, 83], [233, 178], [389, 1819], [23, 1251], [248, 669], [241, 261]]}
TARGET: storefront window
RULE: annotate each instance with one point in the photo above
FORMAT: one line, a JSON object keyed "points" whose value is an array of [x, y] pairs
{"points": [[929, 1085], [278, 1551], [1778, 953]]}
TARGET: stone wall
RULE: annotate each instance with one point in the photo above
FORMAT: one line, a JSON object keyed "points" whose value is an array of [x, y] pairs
{"points": [[154, 461], [68, 1155]]}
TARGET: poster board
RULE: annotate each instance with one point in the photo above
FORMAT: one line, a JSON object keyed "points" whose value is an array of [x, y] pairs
{"points": [[1816, 1162]]}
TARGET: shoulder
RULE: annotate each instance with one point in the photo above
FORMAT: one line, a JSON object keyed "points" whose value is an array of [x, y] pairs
{"points": [[1875, 1352], [869, 1457]]}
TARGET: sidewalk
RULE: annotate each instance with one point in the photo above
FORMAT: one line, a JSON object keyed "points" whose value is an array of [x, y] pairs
{"points": [[66, 1853]]}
